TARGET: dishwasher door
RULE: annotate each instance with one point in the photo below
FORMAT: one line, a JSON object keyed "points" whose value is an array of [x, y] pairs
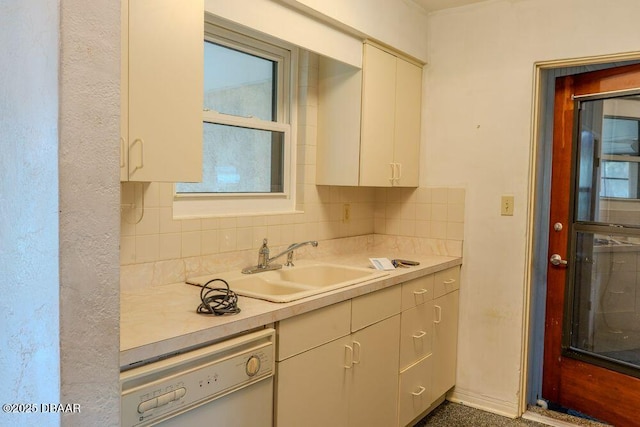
{"points": [[228, 384], [251, 406]]}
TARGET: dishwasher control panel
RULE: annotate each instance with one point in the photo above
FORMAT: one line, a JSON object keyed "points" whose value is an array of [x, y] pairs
{"points": [[163, 389]]}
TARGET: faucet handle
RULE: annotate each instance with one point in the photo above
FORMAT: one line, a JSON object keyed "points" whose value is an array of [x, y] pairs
{"points": [[263, 254], [289, 262]]}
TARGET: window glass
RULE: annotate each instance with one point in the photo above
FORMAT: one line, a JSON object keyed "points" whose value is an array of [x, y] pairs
{"points": [[238, 83], [240, 160]]}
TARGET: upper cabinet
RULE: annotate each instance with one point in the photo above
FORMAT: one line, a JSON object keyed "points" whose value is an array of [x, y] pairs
{"points": [[369, 121], [162, 90]]}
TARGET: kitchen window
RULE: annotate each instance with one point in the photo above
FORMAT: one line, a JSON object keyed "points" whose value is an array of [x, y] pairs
{"points": [[248, 154]]}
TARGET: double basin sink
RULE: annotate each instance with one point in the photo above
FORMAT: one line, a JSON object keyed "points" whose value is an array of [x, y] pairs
{"points": [[293, 283]]}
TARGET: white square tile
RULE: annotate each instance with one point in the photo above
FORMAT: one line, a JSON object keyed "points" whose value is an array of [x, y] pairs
{"points": [[228, 239], [150, 222], [167, 223], [438, 230], [191, 225], [244, 238], [147, 248], [170, 246], [456, 195], [127, 250], [439, 212], [455, 231], [439, 195], [191, 244], [455, 212], [210, 242]]}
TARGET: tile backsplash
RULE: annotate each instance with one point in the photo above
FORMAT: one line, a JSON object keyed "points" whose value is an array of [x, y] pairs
{"points": [[156, 248]]}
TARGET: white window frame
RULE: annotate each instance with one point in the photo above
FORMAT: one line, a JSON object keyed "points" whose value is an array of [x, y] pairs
{"points": [[188, 205]]}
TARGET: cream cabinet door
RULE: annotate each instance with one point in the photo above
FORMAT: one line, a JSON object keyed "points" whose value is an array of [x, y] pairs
{"points": [[391, 120], [445, 343], [378, 117], [164, 90], [408, 117], [313, 388], [374, 393]]}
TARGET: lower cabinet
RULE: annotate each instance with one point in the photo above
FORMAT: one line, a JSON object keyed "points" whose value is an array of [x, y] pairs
{"points": [[351, 380], [375, 375], [313, 388], [381, 359]]}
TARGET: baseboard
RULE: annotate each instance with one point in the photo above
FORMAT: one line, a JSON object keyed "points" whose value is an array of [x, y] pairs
{"points": [[485, 403]]}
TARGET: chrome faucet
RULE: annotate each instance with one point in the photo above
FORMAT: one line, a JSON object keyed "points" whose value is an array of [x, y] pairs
{"points": [[264, 261]]}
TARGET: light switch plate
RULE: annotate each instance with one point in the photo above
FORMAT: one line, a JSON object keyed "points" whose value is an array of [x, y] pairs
{"points": [[506, 206]]}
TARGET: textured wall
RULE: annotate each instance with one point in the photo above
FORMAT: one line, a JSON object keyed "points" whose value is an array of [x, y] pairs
{"points": [[29, 359], [89, 214]]}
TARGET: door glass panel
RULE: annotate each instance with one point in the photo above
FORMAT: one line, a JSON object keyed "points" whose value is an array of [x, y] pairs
{"points": [[604, 302], [606, 308]]}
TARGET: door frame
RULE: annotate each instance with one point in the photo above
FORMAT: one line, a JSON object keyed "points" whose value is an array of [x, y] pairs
{"points": [[539, 177]]}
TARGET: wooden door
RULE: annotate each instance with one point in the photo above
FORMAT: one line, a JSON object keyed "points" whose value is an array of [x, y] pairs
{"points": [[588, 311]]}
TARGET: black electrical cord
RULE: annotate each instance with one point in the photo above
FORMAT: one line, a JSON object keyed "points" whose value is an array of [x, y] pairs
{"points": [[218, 301]]}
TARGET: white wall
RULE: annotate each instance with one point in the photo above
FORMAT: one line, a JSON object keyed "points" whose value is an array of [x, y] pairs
{"points": [[89, 210], [478, 135], [398, 23], [29, 356]]}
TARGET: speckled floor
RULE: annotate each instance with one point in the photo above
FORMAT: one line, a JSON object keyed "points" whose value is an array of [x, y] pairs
{"points": [[450, 414]]}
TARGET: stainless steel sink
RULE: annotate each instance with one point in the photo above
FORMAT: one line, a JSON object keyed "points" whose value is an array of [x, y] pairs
{"points": [[290, 284]]}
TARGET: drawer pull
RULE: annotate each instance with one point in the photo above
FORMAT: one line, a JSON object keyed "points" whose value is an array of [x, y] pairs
{"points": [[449, 281], [420, 292], [348, 356], [438, 314], [419, 334], [419, 392], [356, 355]]}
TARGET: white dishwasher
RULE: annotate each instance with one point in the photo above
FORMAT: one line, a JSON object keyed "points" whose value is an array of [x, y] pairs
{"points": [[228, 384]]}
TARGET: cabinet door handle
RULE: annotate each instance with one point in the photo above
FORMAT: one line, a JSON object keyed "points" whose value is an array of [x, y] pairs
{"points": [[140, 164], [348, 356], [399, 169], [419, 392], [393, 172], [420, 292], [122, 151], [438, 314], [419, 334], [356, 354], [449, 281]]}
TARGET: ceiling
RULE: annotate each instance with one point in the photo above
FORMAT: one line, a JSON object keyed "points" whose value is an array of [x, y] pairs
{"points": [[432, 5]]}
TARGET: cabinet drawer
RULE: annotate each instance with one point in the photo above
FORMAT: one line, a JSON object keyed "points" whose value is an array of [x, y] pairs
{"points": [[416, 336], [374, 307], [415, 394], [446, 281], [309, 330], [417, 291]]}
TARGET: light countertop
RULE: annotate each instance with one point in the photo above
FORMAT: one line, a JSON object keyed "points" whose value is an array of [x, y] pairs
{"points": [[162, 320]]}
